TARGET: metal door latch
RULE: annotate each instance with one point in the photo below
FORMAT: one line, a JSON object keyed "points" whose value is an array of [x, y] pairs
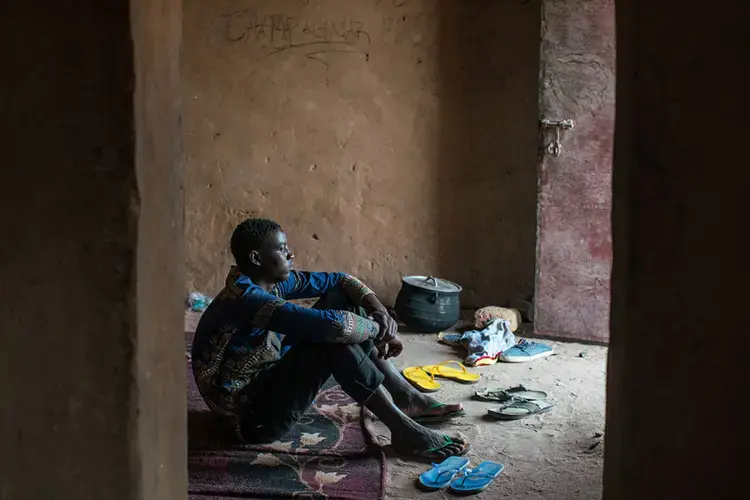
{"points": [[555, 147]]}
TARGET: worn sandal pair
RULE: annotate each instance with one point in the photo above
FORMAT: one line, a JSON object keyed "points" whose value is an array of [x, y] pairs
{"points": [[423, 377], [518, 402], [453, 473]]}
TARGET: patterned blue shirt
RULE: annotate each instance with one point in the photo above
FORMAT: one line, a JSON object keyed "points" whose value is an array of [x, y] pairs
{"points": [[239, 332]]}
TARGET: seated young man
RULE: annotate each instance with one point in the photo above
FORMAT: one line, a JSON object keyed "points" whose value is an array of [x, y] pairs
{"points": [[260, 384]]}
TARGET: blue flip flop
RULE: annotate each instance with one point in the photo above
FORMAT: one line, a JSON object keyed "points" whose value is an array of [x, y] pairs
{"points": [[477, 479], [450, 338], [443, 473]]}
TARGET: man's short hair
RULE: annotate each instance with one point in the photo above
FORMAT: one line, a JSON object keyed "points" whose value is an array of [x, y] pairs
{"points": [[249, 235]]}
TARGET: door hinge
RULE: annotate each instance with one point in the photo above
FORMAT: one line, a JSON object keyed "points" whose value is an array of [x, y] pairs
{"points": [[555, 147]]}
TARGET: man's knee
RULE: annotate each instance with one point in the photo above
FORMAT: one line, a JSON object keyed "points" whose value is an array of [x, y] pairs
{"points": [[337, 300], [368, 346]]}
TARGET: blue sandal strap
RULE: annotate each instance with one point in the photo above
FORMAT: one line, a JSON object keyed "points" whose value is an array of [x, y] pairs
{"points": [[451, 471], [478, 474]]}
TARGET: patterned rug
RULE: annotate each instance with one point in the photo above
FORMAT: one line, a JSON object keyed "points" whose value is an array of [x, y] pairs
{"points": [[328, 455]]}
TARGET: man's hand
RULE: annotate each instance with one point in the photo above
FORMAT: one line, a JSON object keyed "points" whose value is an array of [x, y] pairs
{"points": [[389, 349], [377, 312], [388, 326]]}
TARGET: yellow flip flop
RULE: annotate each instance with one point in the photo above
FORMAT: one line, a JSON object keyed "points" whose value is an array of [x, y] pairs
{"points": [[420, 379], [461, 375]]}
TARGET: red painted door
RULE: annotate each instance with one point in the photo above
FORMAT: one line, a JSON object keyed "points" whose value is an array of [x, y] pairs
{"points": [[574, 243]]}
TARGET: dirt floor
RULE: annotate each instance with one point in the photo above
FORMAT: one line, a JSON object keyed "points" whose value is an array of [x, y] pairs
{"points": [[558, 455]]}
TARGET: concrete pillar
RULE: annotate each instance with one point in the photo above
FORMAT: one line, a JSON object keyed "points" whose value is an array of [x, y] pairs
{"points": [[92, 401], [678, 352]]}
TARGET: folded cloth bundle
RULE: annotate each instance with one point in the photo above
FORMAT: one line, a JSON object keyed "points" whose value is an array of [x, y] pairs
{"points": [[484, 346]]}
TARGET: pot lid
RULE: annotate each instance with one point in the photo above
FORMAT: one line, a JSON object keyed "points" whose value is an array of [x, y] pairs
{"points": [[431, 283]]}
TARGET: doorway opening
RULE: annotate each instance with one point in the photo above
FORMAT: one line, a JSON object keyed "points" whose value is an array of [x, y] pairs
{"points": [[421, 138]]}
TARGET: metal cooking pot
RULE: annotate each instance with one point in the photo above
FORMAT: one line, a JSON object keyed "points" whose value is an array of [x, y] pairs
{"points": [[428, 304]]}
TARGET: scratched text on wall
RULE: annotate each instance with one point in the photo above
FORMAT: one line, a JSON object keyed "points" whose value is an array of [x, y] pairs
{"points": [[278, 32]]}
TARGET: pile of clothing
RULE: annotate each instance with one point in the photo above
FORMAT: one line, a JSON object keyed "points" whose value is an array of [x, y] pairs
{"points": [[493, 339]]}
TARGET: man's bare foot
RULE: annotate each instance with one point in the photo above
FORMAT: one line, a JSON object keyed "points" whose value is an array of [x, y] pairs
{"points": [[420, 442], [417, 406]]}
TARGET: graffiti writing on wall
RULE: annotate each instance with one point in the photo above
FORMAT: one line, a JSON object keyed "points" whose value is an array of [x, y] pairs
{"points": [[277, 31], [272, 34]]}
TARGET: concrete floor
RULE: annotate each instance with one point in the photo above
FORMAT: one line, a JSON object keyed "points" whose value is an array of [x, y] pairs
{"points": [[558, 455]]}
